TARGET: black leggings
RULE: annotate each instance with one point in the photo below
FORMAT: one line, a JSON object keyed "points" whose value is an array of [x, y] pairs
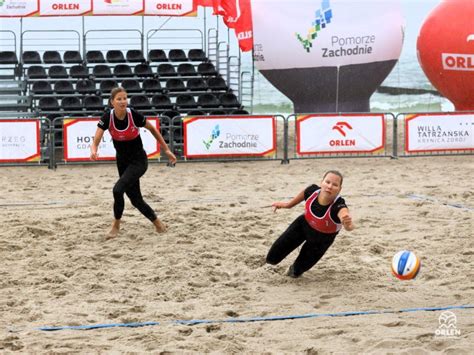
{"points": [[314, 247], [130, 170]]}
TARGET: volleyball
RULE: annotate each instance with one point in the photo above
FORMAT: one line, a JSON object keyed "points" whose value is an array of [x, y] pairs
{"points": [[405, 265]]}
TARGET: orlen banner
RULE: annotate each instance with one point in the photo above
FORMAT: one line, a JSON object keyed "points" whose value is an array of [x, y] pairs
{"points": [[19, 140], [327, 55], [322, 134], [79, 134], [446, 51], [229, 136], [439, 132], [65, 8], [170, 8]]}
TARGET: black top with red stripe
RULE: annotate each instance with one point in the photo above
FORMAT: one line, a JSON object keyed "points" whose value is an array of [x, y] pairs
{"points": [[319, 210], [125, 147]]}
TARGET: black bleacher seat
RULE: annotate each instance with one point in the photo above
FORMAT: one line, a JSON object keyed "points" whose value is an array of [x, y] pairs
{"points": [[63, 87], [197, 55], [71, 103], [57, 72], [157, 55], [115, 56], [151, 85], [196, 84], [79, 71], [48, 103], [95, 57], [240, 112], [185, 101], [229, 100], [216, 83], [143, 70], [41, 87], [72, 57], [161, 102], [166, 69], [208, 100], [167, 116], [52, 57], [123, 70], [175, 84], [107, 85], [195, 113], [186, 69], [217, 112], [131, 85], [140, 102], [177, 55], [36, 72], [85, 86], [101, 71], [135, 56], [206, 69], [31, 57], [8, 57], [93, 103]]}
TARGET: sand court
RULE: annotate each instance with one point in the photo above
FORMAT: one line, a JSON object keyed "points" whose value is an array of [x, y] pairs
{"points": [[57, 270]]}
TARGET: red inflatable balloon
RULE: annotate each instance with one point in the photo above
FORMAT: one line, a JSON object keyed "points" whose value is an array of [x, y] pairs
{"points": [[446, 51]]}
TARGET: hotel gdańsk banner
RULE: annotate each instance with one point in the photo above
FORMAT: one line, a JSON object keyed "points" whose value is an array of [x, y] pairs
{"points": [[26, 8], [439, 132], [79, 134], [237, 136], [323, 134], [19, 140]]}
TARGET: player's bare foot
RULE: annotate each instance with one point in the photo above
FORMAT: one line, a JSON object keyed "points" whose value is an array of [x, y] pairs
{"points": [[159, 226], [114, 231]]}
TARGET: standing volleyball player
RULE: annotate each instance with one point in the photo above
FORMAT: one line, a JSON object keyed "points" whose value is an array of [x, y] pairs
{"points": [[123, 124], [325, 214]]}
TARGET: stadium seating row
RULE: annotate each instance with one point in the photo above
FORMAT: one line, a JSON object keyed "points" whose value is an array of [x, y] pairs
{"points": [[96, 56], [149, 85], [119, 70], [139, 102]]}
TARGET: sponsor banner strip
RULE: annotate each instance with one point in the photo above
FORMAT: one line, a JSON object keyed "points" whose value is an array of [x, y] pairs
{"points": [[439, 132], [19, 140]]}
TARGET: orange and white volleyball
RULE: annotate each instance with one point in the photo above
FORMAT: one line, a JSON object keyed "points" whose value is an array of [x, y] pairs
{"points": [[405, 265]]}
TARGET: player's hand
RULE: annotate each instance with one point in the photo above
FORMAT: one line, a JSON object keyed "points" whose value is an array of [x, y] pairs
{"points": [[94, 155], [277, 205], [346, 221], [171, 157]]}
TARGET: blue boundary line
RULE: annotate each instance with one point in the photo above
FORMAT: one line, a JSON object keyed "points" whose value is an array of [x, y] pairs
{"points": [[253, 319]]}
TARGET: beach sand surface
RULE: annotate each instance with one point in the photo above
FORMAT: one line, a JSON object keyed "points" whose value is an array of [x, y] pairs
{"points": [[57, 269]]}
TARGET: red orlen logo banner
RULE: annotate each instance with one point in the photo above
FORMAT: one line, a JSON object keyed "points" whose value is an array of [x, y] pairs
{"points": [[19, 140], [439, 132], [79, 134], [63, 8], [350, 133]]}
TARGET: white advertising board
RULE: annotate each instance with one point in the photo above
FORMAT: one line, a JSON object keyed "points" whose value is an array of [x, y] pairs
{"points": [[439, 132], [322, 134], [79, 134], [229, 136], [19, 140]]}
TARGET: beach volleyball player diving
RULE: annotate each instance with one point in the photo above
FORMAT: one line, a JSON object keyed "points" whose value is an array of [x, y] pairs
{"points": [[132, 162], [325, 214]]}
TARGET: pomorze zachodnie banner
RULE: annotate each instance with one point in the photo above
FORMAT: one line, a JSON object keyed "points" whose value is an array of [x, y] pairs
{"points": [[439, 132], [229, 136], [26, 8], [79, 134]]}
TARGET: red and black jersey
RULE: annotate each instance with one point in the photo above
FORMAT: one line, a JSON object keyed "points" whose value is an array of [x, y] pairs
{"points": [[322, 218], [125, 133]]}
